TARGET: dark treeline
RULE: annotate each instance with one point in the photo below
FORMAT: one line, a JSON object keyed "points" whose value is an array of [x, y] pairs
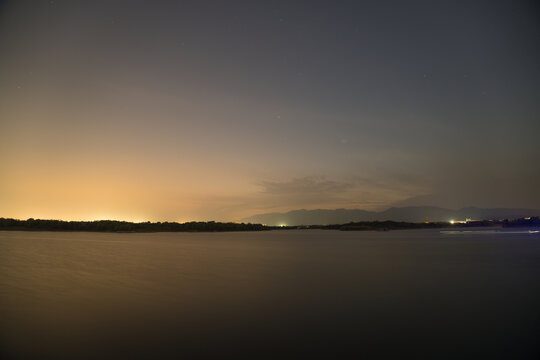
{"points": [[523, 222], [400, 225], [124, 226], [394, 225]]}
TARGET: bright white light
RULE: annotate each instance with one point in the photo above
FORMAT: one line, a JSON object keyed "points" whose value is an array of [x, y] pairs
{"points": [[452, 221]]}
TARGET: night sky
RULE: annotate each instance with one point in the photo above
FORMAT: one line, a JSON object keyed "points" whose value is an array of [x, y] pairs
{"points": [[217, 110]]}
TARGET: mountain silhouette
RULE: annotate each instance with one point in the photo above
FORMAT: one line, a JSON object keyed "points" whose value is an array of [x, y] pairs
{"points": [[409, 214]]}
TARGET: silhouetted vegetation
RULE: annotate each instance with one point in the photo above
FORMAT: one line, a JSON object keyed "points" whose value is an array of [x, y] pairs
{"points": [[523, 222], [389, 225], [401, 225], [210, 226], [383, 226], [124, 226]]}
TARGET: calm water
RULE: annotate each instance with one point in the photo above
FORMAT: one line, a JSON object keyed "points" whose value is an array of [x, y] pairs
{"points": [[280, 294]]}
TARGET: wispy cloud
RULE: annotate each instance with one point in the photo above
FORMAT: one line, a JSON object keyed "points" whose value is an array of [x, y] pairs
{"points": [[310, 192], [305, 185]]}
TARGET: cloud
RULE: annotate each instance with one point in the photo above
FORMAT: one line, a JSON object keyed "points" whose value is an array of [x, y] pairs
{"points": [[305, 185], [369, 192], [311, 192]]}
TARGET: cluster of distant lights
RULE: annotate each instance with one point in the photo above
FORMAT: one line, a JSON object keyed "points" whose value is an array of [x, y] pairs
{"points": [[427, 222], [471, 220], [461, 221]]}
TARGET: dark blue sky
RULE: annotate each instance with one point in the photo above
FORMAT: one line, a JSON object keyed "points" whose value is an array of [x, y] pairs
{"points": [[217, 110]]}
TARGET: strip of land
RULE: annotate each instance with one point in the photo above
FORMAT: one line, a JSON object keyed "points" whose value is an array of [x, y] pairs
{"points": [[212, 226]]}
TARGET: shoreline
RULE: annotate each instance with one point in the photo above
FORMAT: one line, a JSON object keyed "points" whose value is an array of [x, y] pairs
{"points": [[114, 226]]}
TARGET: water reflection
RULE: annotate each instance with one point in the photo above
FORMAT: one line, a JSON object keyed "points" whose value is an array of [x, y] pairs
{"points": [[268, 294]]}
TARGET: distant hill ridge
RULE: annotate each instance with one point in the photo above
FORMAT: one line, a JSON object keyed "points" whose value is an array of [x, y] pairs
{"points": [[408, 214]]}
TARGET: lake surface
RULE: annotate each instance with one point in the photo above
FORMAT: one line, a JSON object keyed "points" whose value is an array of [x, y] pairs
{"points": [[278, 294]]}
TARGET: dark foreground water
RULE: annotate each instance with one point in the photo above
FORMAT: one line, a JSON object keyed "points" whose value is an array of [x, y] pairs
{"points": [[279, 294]]}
